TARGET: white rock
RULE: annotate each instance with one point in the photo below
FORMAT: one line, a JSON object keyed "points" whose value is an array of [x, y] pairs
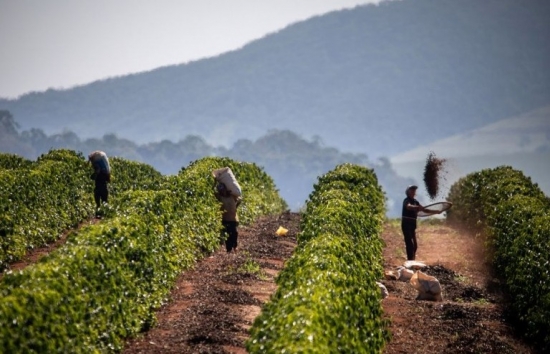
{"points": [[383, 290]]}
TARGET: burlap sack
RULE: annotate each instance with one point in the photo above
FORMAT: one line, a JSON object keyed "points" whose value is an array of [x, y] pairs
{"points": [[428, 287]]}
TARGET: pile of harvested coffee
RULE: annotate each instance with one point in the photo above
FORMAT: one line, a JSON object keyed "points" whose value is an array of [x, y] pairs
{"points": [[432, 174]]}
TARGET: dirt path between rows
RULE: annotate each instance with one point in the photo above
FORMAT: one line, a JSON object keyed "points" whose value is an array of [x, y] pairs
{"points": [[472, 316], [33, 256], [213, 306]]}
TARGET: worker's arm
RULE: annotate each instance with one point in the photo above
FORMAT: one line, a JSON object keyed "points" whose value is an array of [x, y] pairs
{"points": [[238, 201], [421, 208], [415, 207]]}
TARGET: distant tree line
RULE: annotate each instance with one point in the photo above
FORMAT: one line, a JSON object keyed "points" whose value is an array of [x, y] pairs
{"points": [[292, 161]]}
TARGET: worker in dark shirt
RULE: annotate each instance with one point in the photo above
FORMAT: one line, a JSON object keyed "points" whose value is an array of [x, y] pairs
{"points": [[101, 176], [411, 207]]}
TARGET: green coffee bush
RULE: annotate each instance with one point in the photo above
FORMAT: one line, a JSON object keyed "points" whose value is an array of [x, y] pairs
{"points": [[39, 200], [327, 300], [105, 283], [520, 239], [476, 196], [512, 213]]}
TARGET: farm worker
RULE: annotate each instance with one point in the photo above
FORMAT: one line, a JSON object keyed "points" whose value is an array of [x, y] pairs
{"points": [[411, 207], [101, 176], [230, 218]]}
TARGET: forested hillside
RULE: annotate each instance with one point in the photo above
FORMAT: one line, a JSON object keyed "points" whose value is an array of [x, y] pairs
{"points": [[361, 79], [293, 161]]}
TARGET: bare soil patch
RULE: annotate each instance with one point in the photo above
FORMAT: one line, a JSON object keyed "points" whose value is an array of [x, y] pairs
{"points": [[213, 306], [472, 317], [34, 255]]}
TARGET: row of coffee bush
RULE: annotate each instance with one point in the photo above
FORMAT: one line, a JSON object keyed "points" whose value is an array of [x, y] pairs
{"points": [[41, 199], [327, 299], [513, 214], [107, 280]]}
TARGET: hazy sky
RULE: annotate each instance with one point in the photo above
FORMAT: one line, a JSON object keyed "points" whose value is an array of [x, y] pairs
{"points": [[63, 43]]}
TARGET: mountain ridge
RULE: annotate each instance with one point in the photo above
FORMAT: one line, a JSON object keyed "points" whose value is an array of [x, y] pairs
{"points": [[360, 79]]}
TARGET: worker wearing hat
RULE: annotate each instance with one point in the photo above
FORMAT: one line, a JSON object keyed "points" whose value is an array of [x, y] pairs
{"points": [[411, 207]]}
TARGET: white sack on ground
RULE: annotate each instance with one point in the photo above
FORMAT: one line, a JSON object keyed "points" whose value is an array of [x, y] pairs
{"points": [[414, 265]]}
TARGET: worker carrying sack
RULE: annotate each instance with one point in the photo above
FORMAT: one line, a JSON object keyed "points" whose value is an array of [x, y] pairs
{"points": [[100, 162], [225, 175]]}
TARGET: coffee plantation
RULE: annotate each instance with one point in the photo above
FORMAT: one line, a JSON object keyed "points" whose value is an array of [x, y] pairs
{"points": [[107, 280]]}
